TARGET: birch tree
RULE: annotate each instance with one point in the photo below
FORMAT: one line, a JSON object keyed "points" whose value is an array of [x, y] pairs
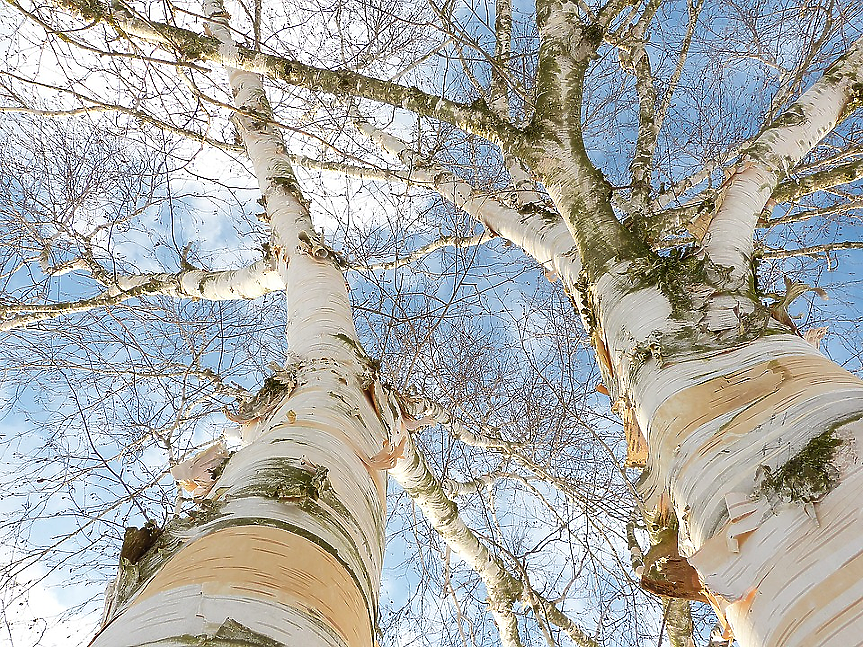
{"points": [[672, 173]]}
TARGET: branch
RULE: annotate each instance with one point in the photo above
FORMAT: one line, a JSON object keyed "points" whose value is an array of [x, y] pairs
{"points": [[694, 12], [249, 282], [429, 412], [579, 189], [651, 118], [413, 474], [525, 187], [814, 250], [802, 216], [610, 11], [778, 149], [499, 101], [680, 187], [656, 226], [538, 230], [634, 58], [193, 46], [12, 317], [796, 188], [421, 252], [454, 489], [373, 173]]}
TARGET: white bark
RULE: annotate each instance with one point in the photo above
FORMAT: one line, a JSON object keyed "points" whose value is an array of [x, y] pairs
{"points": [[712, 419], [412, 473], [290, 542], [710, 424], [249, 282], [730, 239], [547, 240]]}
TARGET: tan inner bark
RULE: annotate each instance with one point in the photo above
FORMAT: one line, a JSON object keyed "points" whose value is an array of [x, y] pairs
{"points": [[770, 387], [270, 563]]}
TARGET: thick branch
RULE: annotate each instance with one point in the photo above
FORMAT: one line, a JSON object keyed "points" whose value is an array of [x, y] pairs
{"points": [[537, 230], [318, 306], [798, 187], [249, 282], [415, 477], [372, 173], [814, 250], [558, 155], [778, 149], [191, 45]]}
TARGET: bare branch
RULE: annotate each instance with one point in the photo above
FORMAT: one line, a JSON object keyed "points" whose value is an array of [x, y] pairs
{"points": [[457, 242], [193, 46], [813, 251], [415, 477], [797, 187]]}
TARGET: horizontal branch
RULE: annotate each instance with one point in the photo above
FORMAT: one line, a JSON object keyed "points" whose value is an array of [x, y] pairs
{"points": [[821, 212], [372, 173], [249, 282], [814, 250], [798, 187], [45, 311]]}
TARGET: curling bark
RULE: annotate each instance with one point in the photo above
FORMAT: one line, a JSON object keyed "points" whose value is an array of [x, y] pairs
{"points": [[286, 548], [752, 432]]}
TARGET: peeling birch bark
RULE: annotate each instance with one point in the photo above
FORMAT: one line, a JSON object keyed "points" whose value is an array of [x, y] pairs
{"points": [[287, 546], [712, 424]]}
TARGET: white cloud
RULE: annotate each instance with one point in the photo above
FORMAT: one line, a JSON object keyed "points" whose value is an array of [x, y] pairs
{"points": [[32, 613]]}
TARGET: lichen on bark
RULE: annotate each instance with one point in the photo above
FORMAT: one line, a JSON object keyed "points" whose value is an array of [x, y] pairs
{"points": [[808, 475]]}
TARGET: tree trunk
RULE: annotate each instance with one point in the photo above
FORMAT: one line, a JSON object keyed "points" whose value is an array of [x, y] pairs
{"points": [[287, 545], [758, 447], [751, 432], [755, 436]]}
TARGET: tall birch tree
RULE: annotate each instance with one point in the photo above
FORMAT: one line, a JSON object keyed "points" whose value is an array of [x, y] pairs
{"points": [[677, 171]]}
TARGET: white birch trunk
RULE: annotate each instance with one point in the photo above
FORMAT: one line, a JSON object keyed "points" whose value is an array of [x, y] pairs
{"points": [[288, 544], [785, 573], [719, 393]]}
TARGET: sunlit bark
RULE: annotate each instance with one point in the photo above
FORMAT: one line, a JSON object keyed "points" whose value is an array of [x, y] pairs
{"points": [[287, 546], [753, 435]]}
